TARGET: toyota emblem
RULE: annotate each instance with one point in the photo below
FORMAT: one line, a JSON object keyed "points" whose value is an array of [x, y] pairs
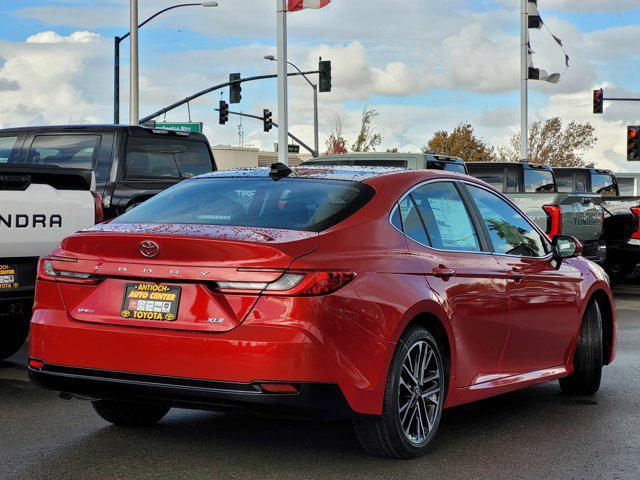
{"points": [[149, 249]]}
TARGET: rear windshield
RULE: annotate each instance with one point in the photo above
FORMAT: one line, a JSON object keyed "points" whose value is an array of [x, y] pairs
{"points": [[539, 181], [447, 167], [292, 204], [166, 158], [603, 184], [492, 176]]}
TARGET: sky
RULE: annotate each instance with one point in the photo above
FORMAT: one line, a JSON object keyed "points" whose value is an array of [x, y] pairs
{"points": [[424, 65]]}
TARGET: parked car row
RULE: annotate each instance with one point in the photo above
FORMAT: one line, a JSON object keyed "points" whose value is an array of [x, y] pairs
{"points": [[581, 202]]}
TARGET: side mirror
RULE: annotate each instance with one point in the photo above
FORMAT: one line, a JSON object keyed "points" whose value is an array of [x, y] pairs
{"points": [[565, 247]]}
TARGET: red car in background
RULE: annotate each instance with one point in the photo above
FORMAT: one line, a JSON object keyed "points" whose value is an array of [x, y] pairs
{"points": [[379, 294]]}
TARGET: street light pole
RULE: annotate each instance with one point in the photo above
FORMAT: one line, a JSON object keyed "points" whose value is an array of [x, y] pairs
{"points": [[283, 94], [524, 82], [116, 56], [134, 82], [315, 104]]}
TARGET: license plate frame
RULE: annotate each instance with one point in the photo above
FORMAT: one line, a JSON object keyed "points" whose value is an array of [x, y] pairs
{"points": [[151, 302]]}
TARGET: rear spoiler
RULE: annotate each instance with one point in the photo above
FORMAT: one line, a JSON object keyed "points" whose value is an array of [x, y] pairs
{"points": [[18, 177]]}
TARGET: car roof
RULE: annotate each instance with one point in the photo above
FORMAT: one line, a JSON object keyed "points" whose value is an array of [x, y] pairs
{"points": [[132, 129], [590, 168], [538, 166], [345, 173], [385, 156]]}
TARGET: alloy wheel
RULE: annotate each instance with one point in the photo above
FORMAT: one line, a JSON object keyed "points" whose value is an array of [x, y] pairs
{"points": [[419, 393]]}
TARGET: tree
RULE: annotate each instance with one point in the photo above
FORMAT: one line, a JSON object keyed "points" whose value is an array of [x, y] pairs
{"points": [[461, 142], [368, 140], [552, 144], [336, 145]]}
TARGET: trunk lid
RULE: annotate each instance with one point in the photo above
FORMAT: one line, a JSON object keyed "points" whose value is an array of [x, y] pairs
{"points": [[180, 279]]}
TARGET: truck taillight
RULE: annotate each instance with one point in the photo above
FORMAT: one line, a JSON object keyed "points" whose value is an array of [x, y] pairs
{"points": [[554, 220], [99, 208], [293, 284], [636, 224]]}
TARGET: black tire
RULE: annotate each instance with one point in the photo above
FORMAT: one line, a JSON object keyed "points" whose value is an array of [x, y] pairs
{"points": [[386, 435], [125, 414], [588, 359], [14, 330]]}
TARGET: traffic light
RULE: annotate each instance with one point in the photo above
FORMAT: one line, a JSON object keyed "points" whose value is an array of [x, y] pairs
{"points": [[325, 76], [235, 89], [268, 120], [224, 112], [598, 102], [633, 144]]}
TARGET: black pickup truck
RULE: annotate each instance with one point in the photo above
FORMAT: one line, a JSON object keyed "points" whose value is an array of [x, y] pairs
{"points": [[131, 163], [621, 219]]}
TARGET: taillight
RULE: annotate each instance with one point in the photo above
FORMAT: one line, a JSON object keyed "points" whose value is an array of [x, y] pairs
{"points": [[46, 271], [636, 226], [293, 284], [99, 208], [554, 220]]}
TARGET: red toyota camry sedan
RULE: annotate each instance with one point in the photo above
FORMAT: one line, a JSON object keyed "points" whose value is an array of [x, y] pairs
{"points": [[376, 294]]}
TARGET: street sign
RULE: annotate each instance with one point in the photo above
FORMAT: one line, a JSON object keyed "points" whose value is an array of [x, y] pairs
{"points": [[194, 127], [292, 148]]}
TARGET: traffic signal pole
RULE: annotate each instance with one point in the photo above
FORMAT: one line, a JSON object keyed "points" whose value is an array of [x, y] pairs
{"points": [[290, 135], [213, 89]]}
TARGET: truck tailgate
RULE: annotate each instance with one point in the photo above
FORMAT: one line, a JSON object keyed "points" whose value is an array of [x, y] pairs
{"points": [[581, 216], [39, 206]]}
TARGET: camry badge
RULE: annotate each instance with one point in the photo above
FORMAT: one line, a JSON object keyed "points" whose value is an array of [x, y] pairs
{"points": [[149, 249]]}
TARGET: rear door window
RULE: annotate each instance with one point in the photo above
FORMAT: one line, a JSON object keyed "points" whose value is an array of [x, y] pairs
{"points": [[67, 151], [8, 145], [166, 158], [446, 218]]}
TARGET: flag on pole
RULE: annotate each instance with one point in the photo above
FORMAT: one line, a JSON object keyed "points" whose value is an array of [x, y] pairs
{"points": [[295, 5]]}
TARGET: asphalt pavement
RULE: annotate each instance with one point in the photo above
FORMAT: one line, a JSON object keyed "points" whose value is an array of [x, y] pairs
{"points": [[536, 433]]}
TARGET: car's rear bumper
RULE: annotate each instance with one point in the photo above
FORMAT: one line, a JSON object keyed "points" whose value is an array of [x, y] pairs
{"points": [[310, 399], [319, 346]]}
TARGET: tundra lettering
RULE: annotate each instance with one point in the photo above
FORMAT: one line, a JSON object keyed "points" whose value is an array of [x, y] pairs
{"points": [[35, 220]]}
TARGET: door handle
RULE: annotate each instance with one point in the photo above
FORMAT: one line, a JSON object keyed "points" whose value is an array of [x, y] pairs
{"points": [[516, 276], [443, 272]]}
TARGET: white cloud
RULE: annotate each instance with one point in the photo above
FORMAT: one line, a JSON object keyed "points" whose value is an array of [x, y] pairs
{"points": [[53, 79], [589, 6]]}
